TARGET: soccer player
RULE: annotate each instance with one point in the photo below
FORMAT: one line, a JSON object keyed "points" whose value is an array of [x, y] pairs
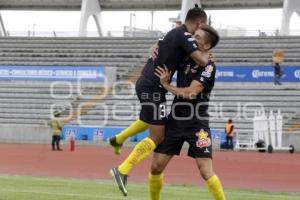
{"points": [[173, 48], [188, 121]]}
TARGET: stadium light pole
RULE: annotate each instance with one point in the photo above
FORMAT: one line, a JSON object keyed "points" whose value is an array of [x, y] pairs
{"points": [[3, 31], [152, 19], [90, 8], [289, 7], [132, 25], [33, 29]]}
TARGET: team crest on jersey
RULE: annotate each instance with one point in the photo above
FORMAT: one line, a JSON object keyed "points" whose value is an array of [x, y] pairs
{"points": [[208, 71], [209, 68], [203, 139]]}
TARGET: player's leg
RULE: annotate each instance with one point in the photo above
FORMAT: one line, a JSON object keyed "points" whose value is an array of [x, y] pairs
{"points": [[53, 143], [58, 143], [148, 113], [171, 145], [135, 128], [214, 184], [201, 149], [155, 178], [151, 113], [231, 142], [143, 149], [227, 142], [279, 78]]}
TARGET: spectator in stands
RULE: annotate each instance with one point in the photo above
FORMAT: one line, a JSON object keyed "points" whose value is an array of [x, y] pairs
{"points": [[56, 125], [261, 34], [277, 58], [277, 73], [229, 134]]}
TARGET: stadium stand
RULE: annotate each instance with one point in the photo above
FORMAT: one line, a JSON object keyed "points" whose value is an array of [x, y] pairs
{"points": [[28, 102]]}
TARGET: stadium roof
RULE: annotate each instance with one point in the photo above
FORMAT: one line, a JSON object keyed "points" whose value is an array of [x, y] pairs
{"points": [[136, 4]]}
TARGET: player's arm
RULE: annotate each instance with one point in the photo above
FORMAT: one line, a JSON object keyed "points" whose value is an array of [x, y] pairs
{"points": [[186, 92], [231, 130], [153, 51], [189, 44], [201, 58]]}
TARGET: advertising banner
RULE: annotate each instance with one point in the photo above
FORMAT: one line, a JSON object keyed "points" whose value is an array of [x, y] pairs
{"points": [[55, 73]]}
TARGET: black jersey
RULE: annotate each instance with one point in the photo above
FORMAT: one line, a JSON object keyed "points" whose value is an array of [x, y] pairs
{"points": [[193, 113], [173, 48]]}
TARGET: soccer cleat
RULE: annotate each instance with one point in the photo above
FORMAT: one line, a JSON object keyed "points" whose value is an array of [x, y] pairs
{"points": [[116, 147], [120, 179]]}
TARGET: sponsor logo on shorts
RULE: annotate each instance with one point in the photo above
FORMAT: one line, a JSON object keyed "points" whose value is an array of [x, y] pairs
{"points": [[203, 139], [206, 150]]}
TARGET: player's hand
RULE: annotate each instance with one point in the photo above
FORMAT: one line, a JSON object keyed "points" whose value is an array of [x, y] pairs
{"points": [[164, 75], [153, 51]]}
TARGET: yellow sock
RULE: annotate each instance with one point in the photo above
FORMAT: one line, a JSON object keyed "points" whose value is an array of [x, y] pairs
{"points": [[155, 183], [141, 151], [136, 127], [215, 187]]}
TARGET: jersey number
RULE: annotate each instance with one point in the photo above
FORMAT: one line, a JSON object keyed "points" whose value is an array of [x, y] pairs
{"points": [[163, 110]]}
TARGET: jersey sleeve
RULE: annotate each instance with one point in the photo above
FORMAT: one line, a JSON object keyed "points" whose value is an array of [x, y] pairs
{"points": [[207, 76], [187, 42]]}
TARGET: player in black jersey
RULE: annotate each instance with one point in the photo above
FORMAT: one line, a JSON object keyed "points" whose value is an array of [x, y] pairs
{"points": [[173, 49], [187, 122]]}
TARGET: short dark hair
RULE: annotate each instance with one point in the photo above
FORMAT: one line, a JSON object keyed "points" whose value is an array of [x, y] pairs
{"points": [[195, 14], [212, 35]]}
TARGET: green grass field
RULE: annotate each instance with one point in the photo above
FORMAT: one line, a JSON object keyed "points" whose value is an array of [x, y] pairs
{"points": [[32, 188]]}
